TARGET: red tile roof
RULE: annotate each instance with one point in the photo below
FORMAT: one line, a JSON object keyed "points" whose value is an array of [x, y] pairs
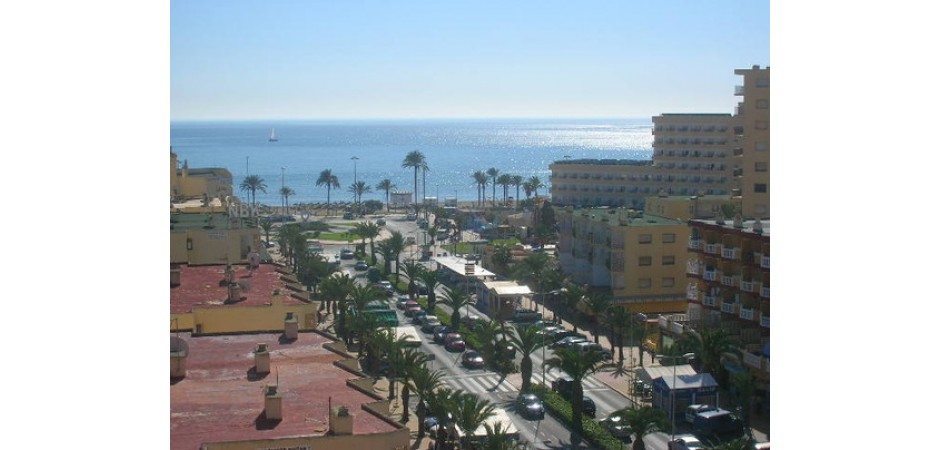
{"points": [[203, 286], [218, 401]]}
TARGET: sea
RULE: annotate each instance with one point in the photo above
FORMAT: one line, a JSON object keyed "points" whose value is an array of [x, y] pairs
{"points": [[372, 150]]}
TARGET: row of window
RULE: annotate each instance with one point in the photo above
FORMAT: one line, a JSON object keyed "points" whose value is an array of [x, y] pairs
{"points": [[668, 238], [692, 128], [646, 283], [669, 260]]}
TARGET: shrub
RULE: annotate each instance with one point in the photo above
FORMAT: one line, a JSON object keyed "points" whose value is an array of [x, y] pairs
{"points": [[594, 432]]}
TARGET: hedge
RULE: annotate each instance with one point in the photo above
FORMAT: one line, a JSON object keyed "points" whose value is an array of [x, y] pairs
{"points": [[593, 432]]}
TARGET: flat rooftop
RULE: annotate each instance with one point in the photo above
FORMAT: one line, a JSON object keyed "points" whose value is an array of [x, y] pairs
{"points": [[747, 226], [221, 398], [202, 220], [202, 286]]}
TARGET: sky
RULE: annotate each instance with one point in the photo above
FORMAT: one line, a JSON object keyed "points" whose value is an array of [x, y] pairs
{"points": [[460, 59]]}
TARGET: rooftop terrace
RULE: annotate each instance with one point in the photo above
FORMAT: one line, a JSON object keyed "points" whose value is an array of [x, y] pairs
{"points": [[202, 286]]}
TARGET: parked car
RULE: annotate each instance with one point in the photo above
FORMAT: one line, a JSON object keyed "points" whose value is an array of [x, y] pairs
{"points": [[348, 215], [590, 347], [530, 405], [525, 315], [470, 321], [402, 300], [411, 216], [567, 342], [472, 359], [506, 349], [440, 332], [588, 407], [563, 386], [544, 323], [346, 254], [454, 342], [380, 221], [617, 425], [685, 442], [411, 307], [418, 316], [554, 336], [719, 422], [361, 265], [692, 410], [428, 323]]}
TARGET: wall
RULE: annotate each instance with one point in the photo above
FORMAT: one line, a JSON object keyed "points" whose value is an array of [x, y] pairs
{"points": [[392, 440], [216, 246], [250, 318]]}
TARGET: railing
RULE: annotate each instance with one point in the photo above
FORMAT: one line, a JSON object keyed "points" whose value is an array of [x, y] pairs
{"points": [[728, 281], [765, 262], [730, 253], [710, 300], [765, 321], [765, 291], [693, 269], [713, 248], [710, 275], [730, 308], [691, 293], [746, 313], [695, 244], [750, 359]]}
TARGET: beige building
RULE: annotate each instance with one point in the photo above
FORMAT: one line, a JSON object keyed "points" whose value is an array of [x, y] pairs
{"points": [[638, 256], [753, 131], [688, 207], [211, 238], [593, 182], [185, 183]]}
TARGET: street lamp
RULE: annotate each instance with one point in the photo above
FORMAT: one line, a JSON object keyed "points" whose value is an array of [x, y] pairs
{"points": [[282, 191], [672, 390], [355, 177]]}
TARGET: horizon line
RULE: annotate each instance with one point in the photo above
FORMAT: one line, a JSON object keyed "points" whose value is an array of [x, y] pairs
{"points": [[403, 119]]}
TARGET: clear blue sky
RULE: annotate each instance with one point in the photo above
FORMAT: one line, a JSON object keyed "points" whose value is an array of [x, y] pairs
{"points": [[442, 59]]}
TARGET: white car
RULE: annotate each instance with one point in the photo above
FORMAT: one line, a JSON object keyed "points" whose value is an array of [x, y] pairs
{"points": [[686, 442]]}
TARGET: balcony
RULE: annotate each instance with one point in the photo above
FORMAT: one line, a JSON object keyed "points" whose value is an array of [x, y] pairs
{"points": [[695, 244], [765, 321], [731, 253], [710, 275], [730, 308], [765, 291], [729, 281], [765, 262], [713, 249], [693, 269], [748, 286], [739, 90], [746, 313], [710, 300], [737, 151], [752, 360], [691, 293]]}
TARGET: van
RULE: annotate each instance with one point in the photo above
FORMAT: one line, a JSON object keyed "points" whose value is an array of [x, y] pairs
{"points": [[590, 347], [716, 422], [693, 410]]}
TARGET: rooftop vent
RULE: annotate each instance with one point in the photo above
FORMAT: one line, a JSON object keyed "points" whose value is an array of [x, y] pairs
{"points": [[341, 421], [290, 326], [262, 359], [272, 402], [179, 350]]}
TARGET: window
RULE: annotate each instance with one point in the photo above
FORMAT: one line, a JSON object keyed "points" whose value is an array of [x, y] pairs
{"points": [[669, 238], [761, 147], [760, 166], [669, 282], [763, 103], [761, 125], [760, 187], [669, 260], [646, 239], [646, 260], [645, 283]]}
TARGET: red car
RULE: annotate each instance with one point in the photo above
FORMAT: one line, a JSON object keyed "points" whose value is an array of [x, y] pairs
{"points": [[454, 342], [411, 307]]}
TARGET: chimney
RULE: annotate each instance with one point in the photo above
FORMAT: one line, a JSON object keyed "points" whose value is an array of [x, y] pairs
{"points": [[179, 350], [272, 402], [290, 326], [234, 292], [262, 359], [341, 421]]}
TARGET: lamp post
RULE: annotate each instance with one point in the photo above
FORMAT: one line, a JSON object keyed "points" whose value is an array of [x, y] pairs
{"points": [[282, 191], [672, 390], [355, 178]]}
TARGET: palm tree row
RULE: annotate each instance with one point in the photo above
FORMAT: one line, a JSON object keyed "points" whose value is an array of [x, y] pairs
{"points": [[492, 176]]}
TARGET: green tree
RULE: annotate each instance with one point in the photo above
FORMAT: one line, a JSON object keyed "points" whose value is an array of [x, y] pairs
{"points": [[423, 381], [266, 227], [387, 186], [505, 180], [329, 180], [497, 438], [455, 298], [577, 366], [413, 271], [502, 257], [402, 368], [313, 268], [619, 319], [573, 294], [481, 180], [597, 303], [493, 173], [527, 341], [357, 189], [415, 160], [252, 184], [430, 280], [368, 230], [709, 345], [472, 412], [535, 184], [335, 290], [286, 192], [643, 421], [516, 180]]}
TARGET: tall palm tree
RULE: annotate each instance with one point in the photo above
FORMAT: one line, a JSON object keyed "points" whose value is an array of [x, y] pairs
{"points": [[415, 160], [368, 230], [573, 295], [329, 180], [527, 340], [402, 368], [336, 289], [481, 179], [266, 227], [516, 180], [505, 180], [423, 382], [535, 184], [456, 298], [619, 318], [359, 297], [709, 345], [413, 271], [598, 303], [643, 421], [577, 366], [493, 173], [534, 270], [472, 412], [285, 193], [387, 186], [396, 245], [430, 280], [357, 189], [253, 183]]}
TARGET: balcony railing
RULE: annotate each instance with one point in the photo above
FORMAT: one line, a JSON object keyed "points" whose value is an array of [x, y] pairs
{"points": [[765, 291], [730, 308], [746, 313], [730, 253], [710, 300], [714, 249], [729, 281], [691, 294], [693, 269], [765, 321], [747, 286], [710, 275], [765, 262], [752, 360], [695, 244]]}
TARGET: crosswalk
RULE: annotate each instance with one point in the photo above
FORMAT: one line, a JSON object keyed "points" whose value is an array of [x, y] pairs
{"points": [[489, 382], [588, 383]]}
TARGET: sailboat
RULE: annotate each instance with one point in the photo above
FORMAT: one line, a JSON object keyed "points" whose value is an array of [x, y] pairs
{"points": [[273, 137]]}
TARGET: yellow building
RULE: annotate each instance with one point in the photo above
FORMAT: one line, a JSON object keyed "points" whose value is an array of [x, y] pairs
{"points": [[683, 208], [593, 182], [211, 238], [753, 131], [638, 256], [209, 183]]}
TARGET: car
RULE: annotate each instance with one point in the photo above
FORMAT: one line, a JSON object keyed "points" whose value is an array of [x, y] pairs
{"points": [[346, 254], [472, 359], [762, 445], [348, 216], [530, 405], [545, 331], [544, 323], [567, 342], [590, 347], [692, 410], [454, 342], [507, 350], [428, 323], [418, 316], [563, 386], [401, 301], [685, 442], [719, 422], [411, 307], [410, 240], [617, 425], [423, 223], [554, 336], [440, 332], [470, 321], [421, 287], [386, 286], [380, 221], [525, 315], [361, 266], [588, 407], [411, 216]]}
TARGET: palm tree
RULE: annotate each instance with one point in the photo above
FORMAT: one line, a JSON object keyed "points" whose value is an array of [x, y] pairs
{"points": [[481, 180], [505, 180], [527, 340], [396, 245], [413, 271], [534, 270], [456, 298], [598, 304], [577, 366], [498, 439], [619, 318], [368, 230], [643, 421], [493, 173], [360, 296], [423, 382], [709, 345], [430, 280], [402, 368], [415, 160], [357, 189], [516, 180], [573, 295], [535, 184], [472, 412], [329, 180], [253, 183], [285, 193], [336, 289], [528, 189], [387, 186], [266, 227]]}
